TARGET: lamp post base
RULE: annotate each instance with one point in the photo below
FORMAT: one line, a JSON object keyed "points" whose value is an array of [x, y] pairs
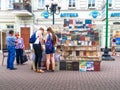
{"points": [[106, 56]]}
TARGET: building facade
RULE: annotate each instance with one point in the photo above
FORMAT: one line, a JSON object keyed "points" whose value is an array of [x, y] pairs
{"points": [[24, 15]]}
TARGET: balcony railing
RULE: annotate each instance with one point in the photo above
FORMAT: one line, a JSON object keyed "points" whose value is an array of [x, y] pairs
{"points": [[21, 6]]}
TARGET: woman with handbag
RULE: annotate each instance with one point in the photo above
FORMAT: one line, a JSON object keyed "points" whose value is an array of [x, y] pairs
{"points": [[19, 49]]}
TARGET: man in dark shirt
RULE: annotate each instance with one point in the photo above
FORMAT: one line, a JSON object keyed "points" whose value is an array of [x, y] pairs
{"points": [[10, 41]]}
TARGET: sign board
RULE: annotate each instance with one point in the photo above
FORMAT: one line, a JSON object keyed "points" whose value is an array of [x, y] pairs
{"points": [[94, 14], [69, 15], [117, 14]]}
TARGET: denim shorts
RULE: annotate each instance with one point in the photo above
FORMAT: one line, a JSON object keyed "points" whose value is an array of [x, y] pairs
{"points": [[50, 52]]}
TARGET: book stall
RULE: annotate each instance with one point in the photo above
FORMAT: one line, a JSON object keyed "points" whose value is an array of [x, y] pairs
{"points": [[78, 46]]}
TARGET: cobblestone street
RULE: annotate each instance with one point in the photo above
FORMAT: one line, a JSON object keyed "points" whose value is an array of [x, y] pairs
{"points": [[25, 79]]}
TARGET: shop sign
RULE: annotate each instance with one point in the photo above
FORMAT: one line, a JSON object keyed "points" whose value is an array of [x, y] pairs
{"points": [[69, 15], [45, 14], [94, 14], [115, 15]]}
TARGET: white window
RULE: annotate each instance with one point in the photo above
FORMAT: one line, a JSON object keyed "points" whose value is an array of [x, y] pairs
{"points": [[71, 3], [0, 4], [109, 3], [91, 3], [11, 4], [41, 4]]}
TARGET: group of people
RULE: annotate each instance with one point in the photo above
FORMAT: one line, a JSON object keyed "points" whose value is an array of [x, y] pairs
{"points": [[38, 49], [16, 45]]}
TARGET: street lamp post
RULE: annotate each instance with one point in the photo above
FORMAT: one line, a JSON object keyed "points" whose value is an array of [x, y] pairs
{"points": [[106, 55], [53, 10]]}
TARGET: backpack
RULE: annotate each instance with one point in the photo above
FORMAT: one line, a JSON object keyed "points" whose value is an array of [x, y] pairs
{"points": [[33, 38], [49, 43]]}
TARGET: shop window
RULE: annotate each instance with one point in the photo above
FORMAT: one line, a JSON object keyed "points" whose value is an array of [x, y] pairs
{"points": [[41, 4], [10, 5], [91, 3], [10, 26], [72, 3], [109, 3]]}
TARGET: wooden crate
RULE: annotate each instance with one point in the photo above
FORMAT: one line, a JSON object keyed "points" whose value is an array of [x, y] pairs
{"points": [[62, 65], [97, 65], [75, 66], [57, 66], [69, 65]]}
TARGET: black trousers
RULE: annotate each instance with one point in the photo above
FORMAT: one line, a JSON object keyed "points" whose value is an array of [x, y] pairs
{"points": [[19, 56], [38, 55]]}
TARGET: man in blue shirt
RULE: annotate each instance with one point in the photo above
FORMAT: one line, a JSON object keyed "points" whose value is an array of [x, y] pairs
{"points": [[10, 41]]}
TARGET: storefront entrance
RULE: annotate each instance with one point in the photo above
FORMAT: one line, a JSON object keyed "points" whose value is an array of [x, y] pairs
{"points": [[3, 35], [25, 34]]}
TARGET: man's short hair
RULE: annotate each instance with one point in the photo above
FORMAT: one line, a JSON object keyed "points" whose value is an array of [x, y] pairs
{"points": [[11, 32]]}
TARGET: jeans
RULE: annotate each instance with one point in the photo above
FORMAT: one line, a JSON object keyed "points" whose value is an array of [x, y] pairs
{"points": [[11, 57], [38, 55], [19, 56]]}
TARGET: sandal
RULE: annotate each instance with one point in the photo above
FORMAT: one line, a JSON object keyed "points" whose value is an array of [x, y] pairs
{"points": [[40, 71]]}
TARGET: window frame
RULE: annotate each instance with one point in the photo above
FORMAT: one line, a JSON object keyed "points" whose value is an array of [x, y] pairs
{"points": [[10, 4], [72, 3], [91, 3], [10, 26], [110, 4], [41, 4]]}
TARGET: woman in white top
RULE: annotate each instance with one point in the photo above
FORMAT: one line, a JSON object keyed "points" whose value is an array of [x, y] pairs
{"points": [[50, 43], [38, 50]]}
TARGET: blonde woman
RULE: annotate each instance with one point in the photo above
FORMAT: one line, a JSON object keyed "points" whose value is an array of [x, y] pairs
{"points": [[50, 42], [37, 46]]}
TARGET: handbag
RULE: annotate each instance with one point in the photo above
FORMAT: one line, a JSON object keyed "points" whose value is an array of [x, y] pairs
{"points": [[25, 59]]}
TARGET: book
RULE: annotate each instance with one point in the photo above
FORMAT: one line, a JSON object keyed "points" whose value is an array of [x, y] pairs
{"points": [[67, 42], [82, 66], [90, 66]]}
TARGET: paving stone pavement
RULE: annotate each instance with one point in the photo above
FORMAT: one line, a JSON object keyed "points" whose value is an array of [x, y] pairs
{"points": [[25, 79]]}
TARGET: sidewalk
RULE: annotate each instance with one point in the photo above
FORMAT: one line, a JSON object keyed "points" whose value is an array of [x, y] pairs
{"points": [[25, 79]]}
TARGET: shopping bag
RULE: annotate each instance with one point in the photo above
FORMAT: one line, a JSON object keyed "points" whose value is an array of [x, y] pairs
{"points": [[25, 59]]}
